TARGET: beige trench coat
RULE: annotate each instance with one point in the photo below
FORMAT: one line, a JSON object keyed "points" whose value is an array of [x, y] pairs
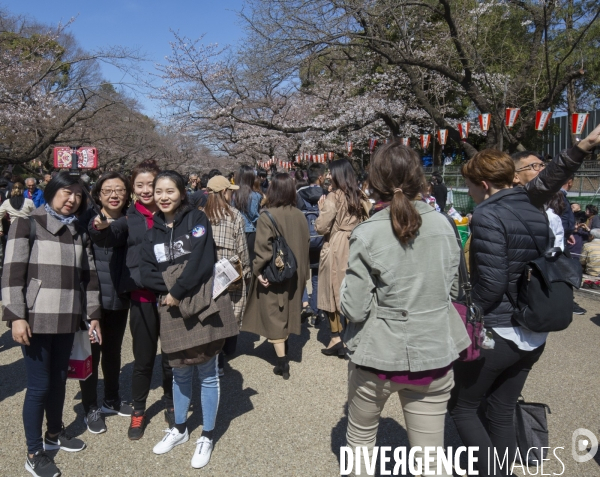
{"points": [[274, 312], [336, 224]]}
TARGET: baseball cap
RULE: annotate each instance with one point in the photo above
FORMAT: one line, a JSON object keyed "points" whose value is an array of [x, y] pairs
{"points": [[219, 183]]}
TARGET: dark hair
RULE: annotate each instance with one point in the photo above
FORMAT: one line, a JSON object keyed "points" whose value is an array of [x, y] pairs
{"points": [[281, 191], [557, 203], [107, 176], [179, 182], [204, 181], [148, 165], [64, 180], [299, 179], [396, 176], [245, 179], [3, 183], [344, 179], [262, 173], [315, 170], [592, 209], [580, 217], [214, 172], [517, 156], [490, 165], [17, 201]]}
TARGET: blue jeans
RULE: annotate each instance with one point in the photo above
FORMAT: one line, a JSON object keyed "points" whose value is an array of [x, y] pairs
{"points": [[182, 392], [46, 363]]}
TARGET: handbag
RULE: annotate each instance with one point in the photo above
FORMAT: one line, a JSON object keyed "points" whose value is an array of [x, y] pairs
{"points": [[470, 313], [282, 266], [545, 297], [531, 425]]}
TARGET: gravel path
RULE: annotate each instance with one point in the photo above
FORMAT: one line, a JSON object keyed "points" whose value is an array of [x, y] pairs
{"points": [[267, 426]]}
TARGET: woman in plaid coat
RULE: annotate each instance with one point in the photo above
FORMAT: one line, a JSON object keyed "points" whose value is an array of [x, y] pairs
{"points": [[49, 286], [228, 232]]}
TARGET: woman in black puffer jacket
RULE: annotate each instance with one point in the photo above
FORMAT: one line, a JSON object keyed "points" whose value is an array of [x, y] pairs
{"points": [[500, 248], [143, 317], [111, 193]]}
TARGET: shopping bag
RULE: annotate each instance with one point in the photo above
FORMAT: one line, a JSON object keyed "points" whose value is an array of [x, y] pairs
{"points": [[531, 425], [80, 362]]}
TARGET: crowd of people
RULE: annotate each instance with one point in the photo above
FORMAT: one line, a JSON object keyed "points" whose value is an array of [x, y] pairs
{"points": [[378, 251]]}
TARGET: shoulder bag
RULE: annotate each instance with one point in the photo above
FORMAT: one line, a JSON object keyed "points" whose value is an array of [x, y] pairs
{"points": [[470, 313], [282, 266]]}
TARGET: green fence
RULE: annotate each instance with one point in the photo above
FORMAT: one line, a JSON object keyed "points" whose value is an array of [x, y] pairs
{"points": [[464, 204]]}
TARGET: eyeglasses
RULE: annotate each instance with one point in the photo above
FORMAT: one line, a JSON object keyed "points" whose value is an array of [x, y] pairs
{"points": [[534, 166], [109, 192]]}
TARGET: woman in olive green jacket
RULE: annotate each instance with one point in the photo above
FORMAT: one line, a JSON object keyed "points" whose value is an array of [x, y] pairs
{"points": [[403, 332]]}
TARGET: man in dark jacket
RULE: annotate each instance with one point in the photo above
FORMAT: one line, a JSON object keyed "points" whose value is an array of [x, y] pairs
{"points": [[440, 191], [544, 180], [307, 200], [541, 181]]}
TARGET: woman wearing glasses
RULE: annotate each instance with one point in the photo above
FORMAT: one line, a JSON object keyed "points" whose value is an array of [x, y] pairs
{"points": [[144, 321], [111, 193]]}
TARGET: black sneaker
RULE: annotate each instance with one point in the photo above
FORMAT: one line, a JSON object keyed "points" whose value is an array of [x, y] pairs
{"points": [[137, 426], [117, 407], [170, 417], [63, 442], [41, 465], [577, 310], [94, 421], [317, 318], [305, 314]]}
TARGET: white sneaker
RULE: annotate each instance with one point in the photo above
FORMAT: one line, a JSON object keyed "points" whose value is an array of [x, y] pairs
{"points": [[204, 447], [172, 439]]}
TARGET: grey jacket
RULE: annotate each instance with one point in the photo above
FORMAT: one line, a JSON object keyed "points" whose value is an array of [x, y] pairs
{"points": [[54, 285], [397, 298]]}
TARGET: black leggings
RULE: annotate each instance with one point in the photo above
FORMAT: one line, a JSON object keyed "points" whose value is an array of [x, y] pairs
{"points": [[145, 330], [498, 378], [250, 239], [113, 326]]}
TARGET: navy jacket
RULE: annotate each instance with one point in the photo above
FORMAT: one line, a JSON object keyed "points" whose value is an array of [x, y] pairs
{"points": [[500, 248]]}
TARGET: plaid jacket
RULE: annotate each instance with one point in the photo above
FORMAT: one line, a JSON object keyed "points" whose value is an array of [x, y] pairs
{"points": [[230, 239], [56, 285]]}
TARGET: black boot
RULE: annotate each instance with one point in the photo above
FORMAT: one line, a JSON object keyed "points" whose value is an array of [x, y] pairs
{"points": [[283, 367]]}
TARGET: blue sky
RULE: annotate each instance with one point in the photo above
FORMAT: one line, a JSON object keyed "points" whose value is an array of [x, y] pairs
{"points": [[137, 23]]}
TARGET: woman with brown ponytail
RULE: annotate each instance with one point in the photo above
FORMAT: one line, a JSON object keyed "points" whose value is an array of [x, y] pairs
{"points": [[403, 333], [339, 212]]}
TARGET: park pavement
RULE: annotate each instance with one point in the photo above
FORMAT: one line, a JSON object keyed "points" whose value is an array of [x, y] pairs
{"points": [[270, 427]]}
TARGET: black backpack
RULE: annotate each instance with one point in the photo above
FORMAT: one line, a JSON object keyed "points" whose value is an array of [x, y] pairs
{"points": [[311, 212], [545, 299], [282, 266]]}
